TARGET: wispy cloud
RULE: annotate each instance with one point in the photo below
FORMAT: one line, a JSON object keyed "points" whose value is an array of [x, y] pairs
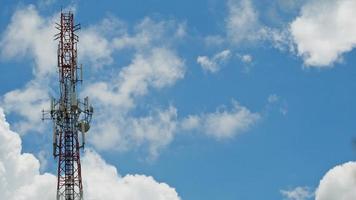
{"points": [[298, 193], [222, 124], [213, 64]]}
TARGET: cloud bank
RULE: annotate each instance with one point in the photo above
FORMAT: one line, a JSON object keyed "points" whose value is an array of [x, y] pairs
{"points": [[20, 178]]}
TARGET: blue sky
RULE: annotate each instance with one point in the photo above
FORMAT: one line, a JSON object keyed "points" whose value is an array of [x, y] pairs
{"points": [[233, 99]]}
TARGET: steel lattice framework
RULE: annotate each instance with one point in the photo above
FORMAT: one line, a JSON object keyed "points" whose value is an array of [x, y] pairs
{"points": [[70, 115]]}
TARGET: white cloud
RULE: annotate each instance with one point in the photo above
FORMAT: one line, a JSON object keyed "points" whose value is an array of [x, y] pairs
{"points": [[246, 58], [158, 129], [213, 64], [150, 33], [98, 42], [114, 127], [156, 69], [242, 23], [324, 31], [27, 103], [102, 181], [191, 122], [124, 132], [30, 34], [223, 123], [298, 193], [20, 178], [117, 131], [19, 172], [244, 27], [339, 183], [95, 48]]}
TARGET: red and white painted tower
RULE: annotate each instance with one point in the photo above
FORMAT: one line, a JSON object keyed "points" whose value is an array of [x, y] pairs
{"points": [[71, 116]]}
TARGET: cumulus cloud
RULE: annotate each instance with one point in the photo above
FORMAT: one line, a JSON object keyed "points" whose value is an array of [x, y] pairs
{"points": [[158, 129], [27, 103], [102, 181], [123, 132], [114, 100], [339, 183], [19, 172], [324, 31], [223, 123], [156, 69], [98, 42], [213, 64], [95, 48], [298, 193], [20, 178], [153, 67], [29, 34]]}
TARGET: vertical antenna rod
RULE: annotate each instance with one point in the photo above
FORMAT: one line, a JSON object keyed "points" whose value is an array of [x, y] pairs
{"points": [[70, 115]]}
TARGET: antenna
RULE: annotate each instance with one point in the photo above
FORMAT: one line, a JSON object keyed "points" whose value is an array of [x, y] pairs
{"points": [[69, 114]]}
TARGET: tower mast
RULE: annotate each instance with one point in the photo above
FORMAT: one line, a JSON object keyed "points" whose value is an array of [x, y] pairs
{"points": [[70, 115]]}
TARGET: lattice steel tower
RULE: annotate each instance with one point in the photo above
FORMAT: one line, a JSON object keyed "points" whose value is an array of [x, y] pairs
{"points": [[70, 115]]}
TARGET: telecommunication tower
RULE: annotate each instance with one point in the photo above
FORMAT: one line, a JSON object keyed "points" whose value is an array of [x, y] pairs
{"points": [[70, 115]]}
